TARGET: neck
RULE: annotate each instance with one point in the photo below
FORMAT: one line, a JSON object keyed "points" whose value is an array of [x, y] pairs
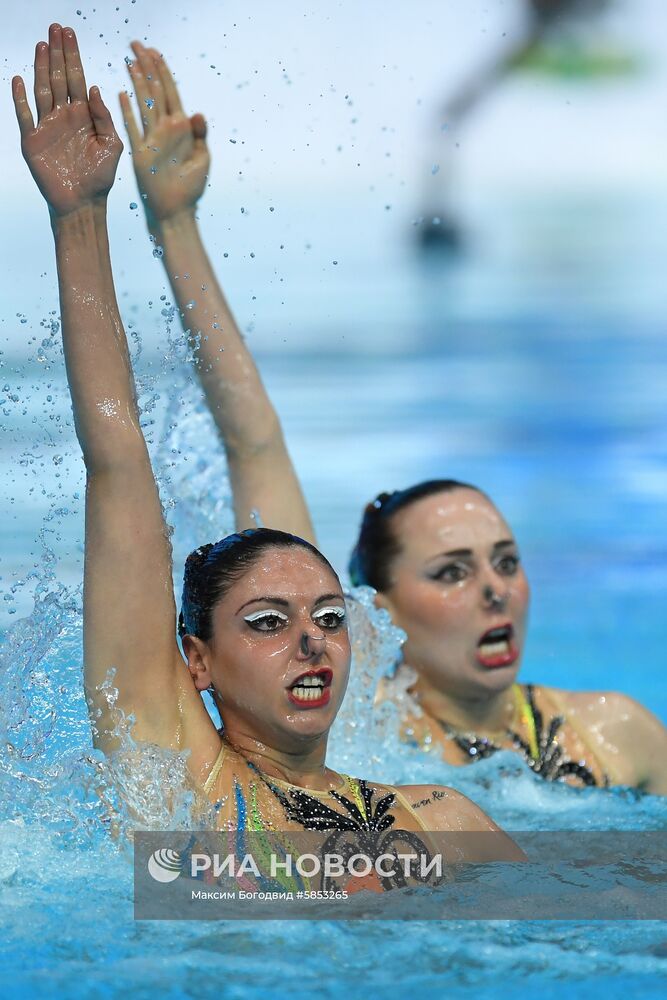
{"points": [[491, 713], [304, 766]]}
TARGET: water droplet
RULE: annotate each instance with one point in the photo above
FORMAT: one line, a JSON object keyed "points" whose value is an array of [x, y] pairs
{"points": [[149, 102], [133, 204], [435, 168], [158, 252]]}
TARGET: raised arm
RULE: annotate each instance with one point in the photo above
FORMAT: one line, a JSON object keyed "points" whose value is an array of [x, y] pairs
{"points": [[171, 162], [129, 612]]}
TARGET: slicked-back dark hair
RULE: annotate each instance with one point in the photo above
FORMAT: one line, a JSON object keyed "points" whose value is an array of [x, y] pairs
{"points": [[212, 569], [378, 545]]}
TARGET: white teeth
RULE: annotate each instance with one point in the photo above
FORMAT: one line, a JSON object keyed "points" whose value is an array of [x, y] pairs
{"points": [[312, 682], [494, 648], [310, 693]]}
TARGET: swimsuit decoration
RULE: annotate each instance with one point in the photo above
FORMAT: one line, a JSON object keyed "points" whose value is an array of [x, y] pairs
{"points": [[364, 827], [542, 752], [362, 815], [310, 812]]}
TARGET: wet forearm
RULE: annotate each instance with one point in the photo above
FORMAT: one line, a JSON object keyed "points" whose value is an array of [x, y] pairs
{"points": [[96, 354], [264, 484], [236, 396]]}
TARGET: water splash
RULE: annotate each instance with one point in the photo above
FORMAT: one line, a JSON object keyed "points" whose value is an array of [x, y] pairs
{"points": [[67, 812]]}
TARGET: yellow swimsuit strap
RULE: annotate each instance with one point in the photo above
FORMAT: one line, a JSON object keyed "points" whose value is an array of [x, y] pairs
{"points": [[215, 770], [527, 719]]}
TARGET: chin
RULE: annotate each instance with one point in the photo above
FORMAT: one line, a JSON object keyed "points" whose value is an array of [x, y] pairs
{"points": [[496, 679], [308, 729]]}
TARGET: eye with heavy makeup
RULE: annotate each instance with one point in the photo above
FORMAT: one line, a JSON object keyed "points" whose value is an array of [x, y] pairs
{"points": [[453, 572], [505, 563], [268, 620], [330, 619]]}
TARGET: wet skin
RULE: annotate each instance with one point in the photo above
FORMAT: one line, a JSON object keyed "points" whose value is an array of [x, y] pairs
{"points": [[284, 618], [457, 576]]}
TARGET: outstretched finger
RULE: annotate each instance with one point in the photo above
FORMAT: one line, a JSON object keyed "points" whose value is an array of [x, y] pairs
{"points": [[150, 70], [133, 133], [43, 95], [76, 81], [171, 96], [153, 85], [100, 114], [22, 108], [57, 73], [141, 92]]}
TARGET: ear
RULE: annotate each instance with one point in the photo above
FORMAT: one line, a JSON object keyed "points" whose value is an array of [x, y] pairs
{"points": [[198, 657]]}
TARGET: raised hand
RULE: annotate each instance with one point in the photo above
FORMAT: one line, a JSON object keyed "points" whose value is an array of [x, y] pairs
{"points": [[171, 159], [73, 151]]}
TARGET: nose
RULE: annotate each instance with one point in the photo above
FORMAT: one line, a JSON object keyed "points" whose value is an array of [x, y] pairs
{"points": [[494, 600], [312, 644]]}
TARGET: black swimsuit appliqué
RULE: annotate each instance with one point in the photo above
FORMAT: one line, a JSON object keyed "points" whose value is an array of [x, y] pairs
{"points": [[314, 814], [551, 762], [368, 831]]}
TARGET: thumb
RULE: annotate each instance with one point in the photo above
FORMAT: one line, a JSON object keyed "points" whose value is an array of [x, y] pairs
{"points": [[100, 114], [199, 127]]}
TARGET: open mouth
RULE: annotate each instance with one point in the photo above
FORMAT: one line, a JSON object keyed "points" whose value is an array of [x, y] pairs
{"points": [[312, 689], [496, 648]]}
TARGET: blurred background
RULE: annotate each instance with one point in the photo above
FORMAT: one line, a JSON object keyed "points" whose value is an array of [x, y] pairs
{"points": [[443, 231]]}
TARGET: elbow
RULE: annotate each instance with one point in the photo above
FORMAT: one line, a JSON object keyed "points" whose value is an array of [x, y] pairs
{"points": [[101, 462], [242, 444]]}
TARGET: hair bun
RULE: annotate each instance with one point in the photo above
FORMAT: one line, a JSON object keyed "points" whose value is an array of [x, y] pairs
{"points": [[198, 556]]}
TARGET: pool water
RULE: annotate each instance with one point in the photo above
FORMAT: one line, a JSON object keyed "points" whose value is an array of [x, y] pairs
{"points": [[536, 367]]}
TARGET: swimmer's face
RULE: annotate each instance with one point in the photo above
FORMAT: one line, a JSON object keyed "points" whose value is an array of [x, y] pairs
{"points": [[459, 592], [280, 652]]}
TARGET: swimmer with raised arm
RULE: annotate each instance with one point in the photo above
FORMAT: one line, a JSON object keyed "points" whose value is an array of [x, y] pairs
{"points": [[440, 555], [263, 614]]}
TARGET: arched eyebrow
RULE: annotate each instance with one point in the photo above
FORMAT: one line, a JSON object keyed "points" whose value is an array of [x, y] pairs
{"points": [[328, 597], [281, 602], [462, 553], [269, 600], [506, 543]]}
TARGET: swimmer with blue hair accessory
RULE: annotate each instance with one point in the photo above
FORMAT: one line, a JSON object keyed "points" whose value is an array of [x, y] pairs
{"points": [[440, 555], [263, 618]]}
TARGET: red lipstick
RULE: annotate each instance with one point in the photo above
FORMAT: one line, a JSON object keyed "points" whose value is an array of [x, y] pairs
{"points": [[497, 648], [311, 689]]}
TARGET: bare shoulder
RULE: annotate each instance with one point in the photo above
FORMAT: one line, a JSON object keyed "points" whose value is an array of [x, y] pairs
{"points": [[609, 707], [444, 810], [629, 739]]}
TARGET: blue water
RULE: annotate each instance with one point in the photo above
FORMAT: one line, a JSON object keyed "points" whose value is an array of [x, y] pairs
{"points": [[537, 368]]}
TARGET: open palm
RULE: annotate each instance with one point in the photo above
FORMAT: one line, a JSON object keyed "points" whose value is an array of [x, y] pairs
{"points": [[73, 151], [171, 159]]}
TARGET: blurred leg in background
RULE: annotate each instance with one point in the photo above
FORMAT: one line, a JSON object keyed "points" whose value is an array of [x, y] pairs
{"points": [[559, 38]]}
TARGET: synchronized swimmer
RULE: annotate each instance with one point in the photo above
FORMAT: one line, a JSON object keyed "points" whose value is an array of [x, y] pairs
{"points": [[263, 619], [440, 555]]}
